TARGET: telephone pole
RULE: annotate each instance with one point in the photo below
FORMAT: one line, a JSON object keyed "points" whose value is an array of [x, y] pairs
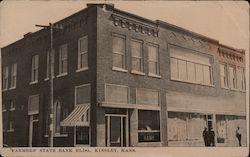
{"points": [[51, 91]]}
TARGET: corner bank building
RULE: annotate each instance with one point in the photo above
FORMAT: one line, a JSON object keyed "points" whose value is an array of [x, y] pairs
{"points": [[122, 80]]}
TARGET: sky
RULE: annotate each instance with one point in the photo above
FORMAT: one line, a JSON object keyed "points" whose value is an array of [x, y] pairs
{"points": [[227, 22]]}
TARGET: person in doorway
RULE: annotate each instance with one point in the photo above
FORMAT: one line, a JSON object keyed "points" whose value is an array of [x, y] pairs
{"points": [[211, 135], [238, 135], [205, 136]]}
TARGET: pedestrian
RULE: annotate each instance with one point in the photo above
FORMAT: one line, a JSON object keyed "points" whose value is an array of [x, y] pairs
{"points": [[212, 135], [205, 136], [238, 135]]}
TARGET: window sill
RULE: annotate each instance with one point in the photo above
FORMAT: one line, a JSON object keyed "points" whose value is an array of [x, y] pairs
{"points": [[46, 79], [34, 82], [11, 130], [4, 110], [154, 75], [61, 75], [195, 83], [225, 88], [137, 72], [11, 88], [119, 69], [82, 69], [4, 90], [57, 135], [12, 109]]}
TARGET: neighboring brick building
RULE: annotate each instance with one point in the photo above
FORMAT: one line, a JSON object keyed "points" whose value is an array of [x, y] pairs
{"points": [[122, 80]]}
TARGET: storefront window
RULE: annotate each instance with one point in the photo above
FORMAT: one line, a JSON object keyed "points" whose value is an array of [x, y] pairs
{"points": [[148, 126], [82, 135]]}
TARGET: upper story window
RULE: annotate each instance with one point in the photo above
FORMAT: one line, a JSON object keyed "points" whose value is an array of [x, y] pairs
{"points": [[119, 51], [232, 76], [12, 105], [190, 67], [241, 78], [34, 69], [13, 76], [116, 93], [147, 97], [83, 53], [63, 59], [153, 60], [137, 55], [33, 105], [223, 75], [83, 94], [4, 107], [5, 77], [57, 117], [52, 63]]}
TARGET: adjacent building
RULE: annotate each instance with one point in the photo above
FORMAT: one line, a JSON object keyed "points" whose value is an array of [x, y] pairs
{"points": [[122, 80]]}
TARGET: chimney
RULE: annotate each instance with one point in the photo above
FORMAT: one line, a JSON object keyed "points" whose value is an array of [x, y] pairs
{"points": [[107, 6]]}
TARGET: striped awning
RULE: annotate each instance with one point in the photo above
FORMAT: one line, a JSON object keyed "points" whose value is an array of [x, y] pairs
{"points": [[78, 117]]}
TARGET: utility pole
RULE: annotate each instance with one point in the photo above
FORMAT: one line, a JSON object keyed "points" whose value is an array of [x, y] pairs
{"points": [[51, 91]]}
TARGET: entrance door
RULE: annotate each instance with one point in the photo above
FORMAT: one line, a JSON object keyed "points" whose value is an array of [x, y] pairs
{"points": [[116, 130], [33, 131]]}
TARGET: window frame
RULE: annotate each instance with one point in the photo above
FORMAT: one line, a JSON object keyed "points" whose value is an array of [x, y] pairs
{"points": [[80, 54], [34, 69], [234, 77], [12, 105], [78, 145], [37, 112], [124, 63], [13, 76], [5, 78], [156, 62], [62, 60], [226, 77], [117, 85], [140, 58], [47, 64], [187, 60], [154, 90], [150, 131], [243, 79], [79, 86]]}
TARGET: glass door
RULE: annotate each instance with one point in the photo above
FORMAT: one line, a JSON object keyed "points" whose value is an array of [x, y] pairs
{"points": [[116, 130]]}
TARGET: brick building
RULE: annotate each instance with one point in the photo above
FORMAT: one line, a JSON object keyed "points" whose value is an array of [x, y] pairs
{"points": [[122, 80]]}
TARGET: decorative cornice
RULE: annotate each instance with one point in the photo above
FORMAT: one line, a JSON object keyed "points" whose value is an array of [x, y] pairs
{"points": [[227, 54], [137, 26]]}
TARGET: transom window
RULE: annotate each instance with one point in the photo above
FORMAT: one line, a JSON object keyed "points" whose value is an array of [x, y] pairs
{"points": [[34, 68], [148, 126], [116, 93], [83, 53], [137, 56], [190, 67], [83, 94], [153, 59], [33, 106], [147, 97], [119, 46], [63, 59]]}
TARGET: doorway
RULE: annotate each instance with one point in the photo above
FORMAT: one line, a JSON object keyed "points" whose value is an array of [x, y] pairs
{"points": [[116, 130], [33, 131]]}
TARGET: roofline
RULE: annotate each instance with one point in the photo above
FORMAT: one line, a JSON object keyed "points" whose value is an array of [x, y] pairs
{"points": [[242, 51]]}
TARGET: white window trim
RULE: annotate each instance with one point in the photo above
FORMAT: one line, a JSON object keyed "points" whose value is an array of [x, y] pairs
{"points": [[157, 75], [227, 75], [33, 82], [7, 77], [124, 68], [124, 86], [154, 90], [83, 85], [37, 112], [229, 78], [137, 72], [80, 145], [61, 60], [243, 79], [141, 58], [12, 74], [32, 69], [194, 82], [4, 109], [62, 74], [81, 53]]}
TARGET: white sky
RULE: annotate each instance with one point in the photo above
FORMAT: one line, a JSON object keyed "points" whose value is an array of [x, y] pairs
{"points": [[227, 22]]}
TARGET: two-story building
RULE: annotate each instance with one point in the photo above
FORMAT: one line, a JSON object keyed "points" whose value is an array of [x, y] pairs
{"points": [[122, 80]]}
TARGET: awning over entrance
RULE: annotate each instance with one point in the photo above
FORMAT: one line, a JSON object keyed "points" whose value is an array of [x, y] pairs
{"points": [[78, 117]]}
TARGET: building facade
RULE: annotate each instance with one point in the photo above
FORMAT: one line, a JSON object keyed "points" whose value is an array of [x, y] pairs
{"points": [[122, 80]]}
